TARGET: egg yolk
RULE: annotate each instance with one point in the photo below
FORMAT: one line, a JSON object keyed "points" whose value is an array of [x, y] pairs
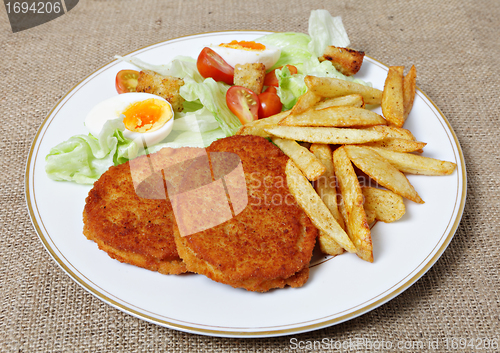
{"points": [[146, 116], [244, 45]]}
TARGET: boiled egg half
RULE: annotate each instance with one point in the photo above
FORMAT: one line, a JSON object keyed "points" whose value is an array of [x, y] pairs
{"points": [[247, 52], [148, 118]]}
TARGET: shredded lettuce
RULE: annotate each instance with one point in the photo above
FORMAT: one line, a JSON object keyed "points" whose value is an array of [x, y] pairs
{"points": [[83, 158]]}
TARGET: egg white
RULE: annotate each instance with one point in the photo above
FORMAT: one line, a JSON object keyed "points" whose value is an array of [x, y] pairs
{"points": [[113, 107], [232, 56]]}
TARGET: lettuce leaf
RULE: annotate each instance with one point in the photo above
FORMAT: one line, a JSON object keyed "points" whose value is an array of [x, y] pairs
{"points": [[326, 30], [294, 47], [84, 158], [212, 95], [290, 88]]}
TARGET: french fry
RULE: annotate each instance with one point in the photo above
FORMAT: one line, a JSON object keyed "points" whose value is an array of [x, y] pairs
{"points": [[352, 199], [314, 207], [392, 97], [343, 212], [335, 117], [414, 164], [303, 158], [398, 144], [329, 87], [370, 215], [409, 87], [385, 205], [326, 185], [305, 102], [257, 127], [328, 245], [383, 172], [393, 131], [327, 135], [353, 100]]}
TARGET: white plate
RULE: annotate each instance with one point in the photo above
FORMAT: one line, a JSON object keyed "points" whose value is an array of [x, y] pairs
{"points": [[338, 289]]}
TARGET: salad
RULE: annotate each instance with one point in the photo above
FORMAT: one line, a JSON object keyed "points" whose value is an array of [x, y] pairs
{"points": [[213, 107]]}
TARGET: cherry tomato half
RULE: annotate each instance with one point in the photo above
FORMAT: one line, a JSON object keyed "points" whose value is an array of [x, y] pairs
{"points": [[210, 64], [270, 104], [244, 103], [126, 81], [272, 80]]}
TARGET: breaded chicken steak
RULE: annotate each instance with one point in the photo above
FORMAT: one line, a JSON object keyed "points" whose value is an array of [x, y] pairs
{"points": [[128, 214], [267, 242]]}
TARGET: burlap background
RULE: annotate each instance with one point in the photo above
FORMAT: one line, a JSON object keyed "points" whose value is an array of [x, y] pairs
{"points": [[456, 48]]}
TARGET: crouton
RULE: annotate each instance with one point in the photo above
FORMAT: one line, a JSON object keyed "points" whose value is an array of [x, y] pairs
{"points": [[164, 86], [345, 60], [250, 76]]}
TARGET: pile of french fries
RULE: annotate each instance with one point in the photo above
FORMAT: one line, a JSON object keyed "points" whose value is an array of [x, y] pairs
{"points": [[331, 138]]}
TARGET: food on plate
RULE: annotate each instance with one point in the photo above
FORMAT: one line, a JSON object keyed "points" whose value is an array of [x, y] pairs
{"points": [[352, 201], [270, 104], [250, 76], [166, 87], [385, 205], [336, 116], [329, 87], [347, 61], [269, 243], [258, 127], [210, 64], [126, 81], [326, 187], [244, 103], [398, 144], [244, 211], [271, 89], [383, 172], [315, 208], [409, 87], [353, 100], [272, 80], [147, 117], [414, 164], [326, 134], [247, 52], [304, 103], [131, 218], [394, 132], [370, 215], [392, 97], [305, 160]]}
